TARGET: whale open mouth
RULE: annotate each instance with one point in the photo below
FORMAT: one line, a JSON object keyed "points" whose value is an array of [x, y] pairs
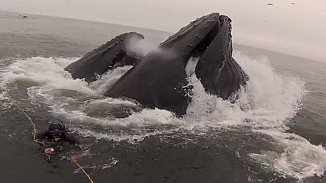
{"points": [[159, 78]]}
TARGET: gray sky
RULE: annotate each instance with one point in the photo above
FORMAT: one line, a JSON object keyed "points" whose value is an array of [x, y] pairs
{"points": [[298, 29]]}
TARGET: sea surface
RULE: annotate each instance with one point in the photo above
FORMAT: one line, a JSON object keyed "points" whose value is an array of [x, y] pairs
{"points": [[275, 132]]}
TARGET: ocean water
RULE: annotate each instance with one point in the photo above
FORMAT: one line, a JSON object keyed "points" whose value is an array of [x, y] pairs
{"points": [[273, 133]]}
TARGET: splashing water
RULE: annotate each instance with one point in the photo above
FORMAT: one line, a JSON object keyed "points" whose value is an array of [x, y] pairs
{"points": [[264, 106]]}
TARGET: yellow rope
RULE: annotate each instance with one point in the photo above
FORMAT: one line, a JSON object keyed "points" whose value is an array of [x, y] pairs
{"points": [[34, 132], [87, 175]]}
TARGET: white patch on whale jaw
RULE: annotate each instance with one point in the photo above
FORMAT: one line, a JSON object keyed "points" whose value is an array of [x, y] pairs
{"points": [[191, 65]]}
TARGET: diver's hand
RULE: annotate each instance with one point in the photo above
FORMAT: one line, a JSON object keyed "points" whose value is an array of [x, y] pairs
{"points": [[49, 151]]}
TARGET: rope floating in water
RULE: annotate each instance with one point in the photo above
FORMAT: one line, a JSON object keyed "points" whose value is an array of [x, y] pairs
{"points": [[79, 166]]}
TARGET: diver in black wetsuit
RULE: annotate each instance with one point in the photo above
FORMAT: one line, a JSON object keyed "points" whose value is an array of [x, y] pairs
{"points": [[53, 137], [57, 132]]}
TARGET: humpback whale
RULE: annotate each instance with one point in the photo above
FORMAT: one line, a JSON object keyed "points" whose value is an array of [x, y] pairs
{"points": [[158, 79]]}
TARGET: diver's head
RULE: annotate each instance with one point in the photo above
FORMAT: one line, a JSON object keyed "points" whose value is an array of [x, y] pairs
{"points": [[57, 130]]}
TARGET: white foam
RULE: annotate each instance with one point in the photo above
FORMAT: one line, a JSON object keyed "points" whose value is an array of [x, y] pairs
{"points": [[110, 162], [269, 98], [299, 158], [47, 72], [108, 79], [121, 136]]}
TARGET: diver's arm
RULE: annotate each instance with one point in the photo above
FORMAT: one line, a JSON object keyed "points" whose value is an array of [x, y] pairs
{"points": [[71, 139]]}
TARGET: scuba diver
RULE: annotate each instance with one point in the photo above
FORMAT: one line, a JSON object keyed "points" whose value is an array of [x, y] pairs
{"points": [[52, 139], [56, 132]]}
